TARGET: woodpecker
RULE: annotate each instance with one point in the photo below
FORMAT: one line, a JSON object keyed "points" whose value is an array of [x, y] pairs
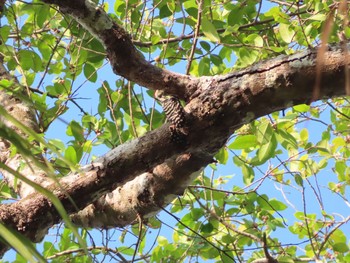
{"points": [[175, 115]]}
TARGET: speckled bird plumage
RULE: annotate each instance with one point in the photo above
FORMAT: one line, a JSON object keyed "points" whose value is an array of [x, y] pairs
{"points": [[175, 115]]}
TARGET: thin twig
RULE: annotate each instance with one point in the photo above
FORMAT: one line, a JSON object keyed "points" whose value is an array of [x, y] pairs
{"points": [[222, 30], [329, 235], [131, 110], [111, 109], [195, 38], [196, 233]]}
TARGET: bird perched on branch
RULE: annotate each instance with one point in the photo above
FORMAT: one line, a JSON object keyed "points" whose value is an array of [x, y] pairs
{"points": [[175, 115]]}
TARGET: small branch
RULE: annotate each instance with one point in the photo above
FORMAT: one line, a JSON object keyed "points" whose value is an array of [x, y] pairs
{"points": [[197, 234], [329, 235], [269, 258], [306, 220], [219, 190], [221, 30], [338, 111], [196, 34], [57, 97], [53, 52], [132, 121], [228, 226], [111, 109], [129, 63], [104, 249], [139, 239]]}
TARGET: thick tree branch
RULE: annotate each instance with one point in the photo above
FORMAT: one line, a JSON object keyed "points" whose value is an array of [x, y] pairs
{"points": [[152, 169], [223, 104], [126, 61], [24, 113]]}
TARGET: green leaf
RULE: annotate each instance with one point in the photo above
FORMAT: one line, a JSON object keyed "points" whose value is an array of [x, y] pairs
{"points": [[196, 213], [25, 58], [205, 45], [191, 8], [243, 142], [154, 223], [29, 60], [228, 239], [264, 132], [226, 257], [27, 29], [87, 147], [103, 101], [340, 247], [90, 72], [21, 244], [285, 259], [126, 250], [164, 11], [70, 154], [298, 179], [255, 40], [304, 135], [338, 236], [58, 144], [338, 142], [171, 5], [302, 108], [74, 129], [209, 253], [235, 16], [4, 33], [347, 32], [247, 56], [287, 140], [278, 14], [270, 204], [5, 83], [155, 39], [209, 30], [29, 78], [267, 150], [222, 156], [204, 67], [286, 33], [207, 228], [42, 15], [119, 8], [248, 174], [338, 241], [277, 205], [318, 17]]}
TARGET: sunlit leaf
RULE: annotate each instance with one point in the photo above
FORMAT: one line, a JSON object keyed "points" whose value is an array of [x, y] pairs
{"points": [[70, 154], [243, 142], [286, 33], [90, 72], [209, 30]]}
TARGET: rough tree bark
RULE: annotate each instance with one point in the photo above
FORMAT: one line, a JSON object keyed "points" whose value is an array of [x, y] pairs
{"points": [[139, 177]]}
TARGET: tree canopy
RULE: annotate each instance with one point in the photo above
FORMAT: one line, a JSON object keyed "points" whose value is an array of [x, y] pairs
{"points": [[250, 163]]}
